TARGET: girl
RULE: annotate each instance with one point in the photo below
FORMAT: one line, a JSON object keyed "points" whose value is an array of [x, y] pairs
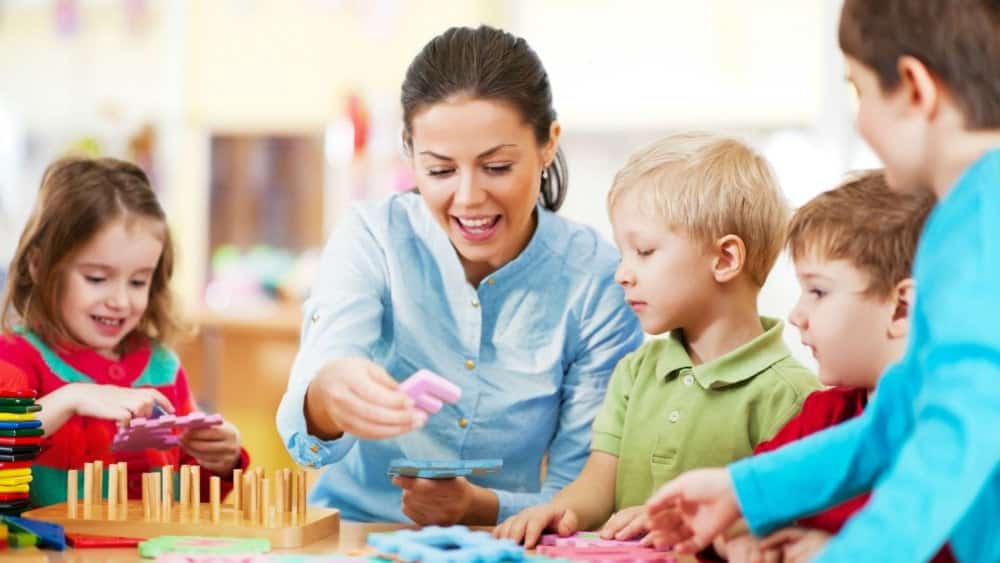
{"points": [[87, 315]]}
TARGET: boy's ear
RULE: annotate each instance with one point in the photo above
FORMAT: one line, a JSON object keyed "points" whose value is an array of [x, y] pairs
{"points": [[903, 295], [730, 257], [923, 93]]}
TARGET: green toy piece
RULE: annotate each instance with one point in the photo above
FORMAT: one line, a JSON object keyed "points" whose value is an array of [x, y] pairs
{"points": [[202, 545]]}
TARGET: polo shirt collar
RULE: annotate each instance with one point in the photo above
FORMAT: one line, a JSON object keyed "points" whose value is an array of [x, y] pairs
{"points": [[734, 367]]}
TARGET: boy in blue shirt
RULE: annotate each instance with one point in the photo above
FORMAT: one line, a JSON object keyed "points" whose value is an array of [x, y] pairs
{"points": [[928, 445]]}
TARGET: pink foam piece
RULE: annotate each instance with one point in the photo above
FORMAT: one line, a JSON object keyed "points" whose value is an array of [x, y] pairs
{"points": [[428, 390], [580, 540], [611, 554], [160, 433]]}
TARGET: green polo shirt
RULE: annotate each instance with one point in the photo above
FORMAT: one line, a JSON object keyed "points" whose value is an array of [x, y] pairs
{"points": [[663, 416]]}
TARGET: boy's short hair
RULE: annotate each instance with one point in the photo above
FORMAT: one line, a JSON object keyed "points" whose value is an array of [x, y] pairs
{"points": [[958, 41], [710, 186], [866, 223]]}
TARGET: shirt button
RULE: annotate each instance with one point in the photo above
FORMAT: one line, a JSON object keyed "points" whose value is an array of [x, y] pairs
{"points": [[688, 380], [674, 416], [470, 365], [314, 449], [116, 372], [312, 464], [491, 281], [314, 317], [463, 422], [475, 302]]}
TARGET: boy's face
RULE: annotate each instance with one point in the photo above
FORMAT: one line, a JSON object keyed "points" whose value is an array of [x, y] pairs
{"points": [[106, 286], [846, 330], [895, 132], [665, 274]]}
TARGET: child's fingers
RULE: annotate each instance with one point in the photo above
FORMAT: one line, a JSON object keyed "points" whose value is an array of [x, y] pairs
{"points": [[613, 525], [567, 524], [632, 529], [780, 537]]}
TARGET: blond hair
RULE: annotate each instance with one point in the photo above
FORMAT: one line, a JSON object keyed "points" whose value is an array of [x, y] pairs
{"points": [[710, 186], [866, 223]]}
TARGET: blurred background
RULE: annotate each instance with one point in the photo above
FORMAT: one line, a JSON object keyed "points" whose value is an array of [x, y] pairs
{"points": [[259, 121]]}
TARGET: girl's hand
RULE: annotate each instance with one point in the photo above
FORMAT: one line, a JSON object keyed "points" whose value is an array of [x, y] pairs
{"points": [[357, 396], [112, 402], [626, 524], [216, 448]]}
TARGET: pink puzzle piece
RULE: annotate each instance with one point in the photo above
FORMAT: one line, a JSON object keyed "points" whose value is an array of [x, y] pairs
{"points": [[586, 539], [428, 390], [160, 433], [621, 554]]}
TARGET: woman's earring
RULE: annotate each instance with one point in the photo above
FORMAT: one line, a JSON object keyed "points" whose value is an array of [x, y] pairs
{"points": [[545, 174]]}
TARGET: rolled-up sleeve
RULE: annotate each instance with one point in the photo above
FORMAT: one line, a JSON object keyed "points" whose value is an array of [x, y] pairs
{"points": [[342, 318], [608, 331]]}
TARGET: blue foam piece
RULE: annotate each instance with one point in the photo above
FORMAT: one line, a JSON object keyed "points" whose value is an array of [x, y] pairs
{"points": [[453, 544], [49, 535], [8, 425], [443, 469]]}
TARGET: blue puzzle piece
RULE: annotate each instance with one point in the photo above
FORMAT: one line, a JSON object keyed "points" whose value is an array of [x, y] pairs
{"points": [[454, 544], [7, 425], [443, 469], [49, 535]]}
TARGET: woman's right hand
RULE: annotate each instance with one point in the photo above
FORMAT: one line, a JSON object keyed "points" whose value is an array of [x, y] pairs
{"points": [[357, 396]]}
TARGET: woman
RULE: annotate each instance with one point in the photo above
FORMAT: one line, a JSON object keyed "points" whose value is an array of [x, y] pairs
{"points": [[474, 278]]}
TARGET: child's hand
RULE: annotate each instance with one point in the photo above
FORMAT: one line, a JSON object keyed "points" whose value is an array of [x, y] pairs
{"points": [[688, 512], [112, 402], [216, 448], [745, 548], [626, 524], [797, 545], [528, 525]]}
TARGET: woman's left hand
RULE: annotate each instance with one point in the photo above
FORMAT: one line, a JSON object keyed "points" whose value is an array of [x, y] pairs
{"points": [[216, 448], [440, 502]]}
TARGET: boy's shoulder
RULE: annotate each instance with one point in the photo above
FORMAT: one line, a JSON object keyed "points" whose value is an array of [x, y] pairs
{"points": [[822, 409]]}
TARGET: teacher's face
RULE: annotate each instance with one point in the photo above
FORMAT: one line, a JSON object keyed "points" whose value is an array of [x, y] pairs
{"points": [[478, 167]]}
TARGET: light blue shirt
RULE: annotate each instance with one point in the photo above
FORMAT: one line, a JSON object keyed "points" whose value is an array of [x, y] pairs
{"points": [[929, 442], [532, 347]]}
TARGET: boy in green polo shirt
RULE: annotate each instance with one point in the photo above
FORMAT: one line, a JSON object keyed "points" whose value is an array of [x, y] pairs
{"points": [[699, 221]]}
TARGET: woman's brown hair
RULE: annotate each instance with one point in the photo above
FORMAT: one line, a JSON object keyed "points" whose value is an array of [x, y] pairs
{"points": [[79, 197]]}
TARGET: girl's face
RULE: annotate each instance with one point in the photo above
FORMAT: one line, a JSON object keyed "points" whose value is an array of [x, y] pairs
{"points": [[106, 284], [478, 168]]}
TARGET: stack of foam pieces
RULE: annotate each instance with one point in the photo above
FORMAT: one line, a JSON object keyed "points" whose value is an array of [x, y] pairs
{"points": [[20, 439]]}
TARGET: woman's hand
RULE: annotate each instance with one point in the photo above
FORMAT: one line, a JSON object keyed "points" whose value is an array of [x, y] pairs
{"points": [[216, 448], [528, 525], [435, 502], [357, 396]]}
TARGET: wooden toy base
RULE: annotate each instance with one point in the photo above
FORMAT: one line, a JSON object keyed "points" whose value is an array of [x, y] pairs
{"points": [[288, 530]]}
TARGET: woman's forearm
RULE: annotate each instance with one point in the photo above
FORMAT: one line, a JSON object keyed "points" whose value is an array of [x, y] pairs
{"points": [[319, 423]]}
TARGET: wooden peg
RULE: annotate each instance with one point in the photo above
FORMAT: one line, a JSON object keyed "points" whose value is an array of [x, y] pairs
{"points": [[88, 485], [72, 492], [237, 489], [155, 492], [168, 488], [214, 493], [279, 491], [294, 507], [122, 482], [146, 509], [252, 497], [185, 485], [196, 485], [302, 492], [112, 485], [265, 499], [98, 481]]}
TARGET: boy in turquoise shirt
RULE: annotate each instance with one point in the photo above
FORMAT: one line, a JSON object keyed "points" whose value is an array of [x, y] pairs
{"points": [[699, 221], [928, 444]]}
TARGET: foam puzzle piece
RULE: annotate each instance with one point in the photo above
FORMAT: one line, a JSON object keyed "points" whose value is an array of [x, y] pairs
{"points": [[443, 469], [160, 433], [254, 558], [429, 390], [452, 544], [586, 539], [622, 554], [51, 536], [203, 545]]}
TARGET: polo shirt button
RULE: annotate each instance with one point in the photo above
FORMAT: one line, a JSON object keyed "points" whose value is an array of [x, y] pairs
{"points": [[314, 449], [688, 380], [470, 365], [314, 317], [116, 372], [463, 422], [491, 281], [674, 416], [475, 302]]}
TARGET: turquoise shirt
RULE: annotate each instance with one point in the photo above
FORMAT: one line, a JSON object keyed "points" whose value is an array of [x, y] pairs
{"points": [[929, 442], [532, 347]]}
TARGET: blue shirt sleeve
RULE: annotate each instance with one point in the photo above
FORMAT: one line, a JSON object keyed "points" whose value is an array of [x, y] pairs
{"points": [[342, 318], [608, 330]]}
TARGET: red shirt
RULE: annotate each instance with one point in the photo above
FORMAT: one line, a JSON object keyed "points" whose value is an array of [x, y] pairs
{"points": [[821, 410]]}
